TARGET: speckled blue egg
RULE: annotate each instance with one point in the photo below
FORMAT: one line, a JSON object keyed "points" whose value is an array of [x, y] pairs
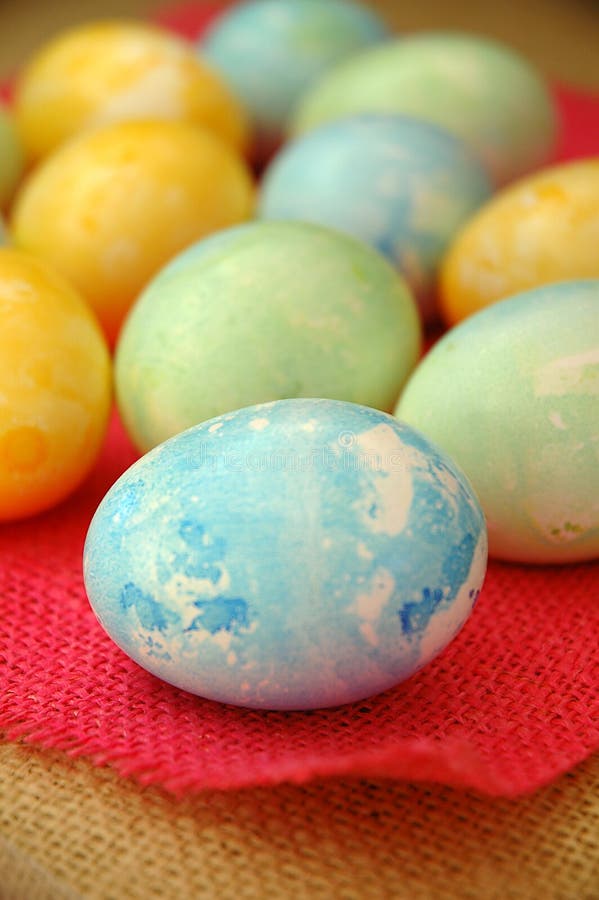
{"points": [[291, 555], [402, 185], [271, 51]]}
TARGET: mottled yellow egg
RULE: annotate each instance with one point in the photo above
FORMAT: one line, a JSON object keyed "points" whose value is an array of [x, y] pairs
{"points": [[55, 387], [543, 229], [105, 72], [109, 208]]}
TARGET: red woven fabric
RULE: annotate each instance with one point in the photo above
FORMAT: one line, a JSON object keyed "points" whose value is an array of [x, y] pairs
{"points": [[508, 706], [190, 19]]}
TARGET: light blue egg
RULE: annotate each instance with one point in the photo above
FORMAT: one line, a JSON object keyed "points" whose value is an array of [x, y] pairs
{"points": [[295, 554], [271, 51], [400, 184]]}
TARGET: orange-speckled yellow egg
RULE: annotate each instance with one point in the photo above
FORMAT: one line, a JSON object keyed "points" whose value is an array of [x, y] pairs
{"points": [[543, 229], [106, 72], [55, 387], [109, 208]]}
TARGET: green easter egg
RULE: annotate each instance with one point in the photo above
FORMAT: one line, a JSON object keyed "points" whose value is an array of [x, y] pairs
{"points": [[512, 395], [11, 157], [264, 311], [476, 88]]}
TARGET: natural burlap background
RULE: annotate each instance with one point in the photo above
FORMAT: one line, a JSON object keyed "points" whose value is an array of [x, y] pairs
{"points": [[71, 830]]}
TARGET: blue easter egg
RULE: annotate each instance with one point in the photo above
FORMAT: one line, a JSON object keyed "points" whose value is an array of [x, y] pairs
{"points": [[271, 51], [402, 185], [296, 554]]}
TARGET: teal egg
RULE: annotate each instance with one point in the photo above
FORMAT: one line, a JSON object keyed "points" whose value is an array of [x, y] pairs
{"points": [[512, 394], [298, 554], [271, 51], [265, 311], [401, 184], [480, 90]]}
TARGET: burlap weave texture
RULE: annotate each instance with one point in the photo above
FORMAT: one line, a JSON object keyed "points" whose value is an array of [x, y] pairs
{"points": [[70, 831]]}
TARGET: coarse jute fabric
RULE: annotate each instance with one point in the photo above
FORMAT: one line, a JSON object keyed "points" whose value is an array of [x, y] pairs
{"points": [[72, 830]]}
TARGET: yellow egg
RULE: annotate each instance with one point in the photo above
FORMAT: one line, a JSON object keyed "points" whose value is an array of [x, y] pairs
{"points": [[105, 72], [11, 157], [109, 208], [543, 229], [55, 387]]}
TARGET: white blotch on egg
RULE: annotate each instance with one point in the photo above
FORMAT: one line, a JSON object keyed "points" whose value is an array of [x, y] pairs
{"points": [[369, 605], [259, 424], [577, 374], [384, 508], [556, 420]]}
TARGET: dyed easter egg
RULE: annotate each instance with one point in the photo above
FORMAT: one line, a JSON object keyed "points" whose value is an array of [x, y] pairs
{"points": [[104, 72], [480, 90], [543, 229], [55, 387], [512, 394], [398, 183], [11, 157], [263, 312], [271, 51], [296, 554], [111, 207]]}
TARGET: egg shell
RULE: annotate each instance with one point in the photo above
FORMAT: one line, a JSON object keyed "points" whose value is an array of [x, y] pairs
{"points": [[55, 387], [261, 312], [298, 554], [270, 51], [111, 207], [542, 229], [401, 184], [512, 394], [479, 89], [11, 157], [100, 73]]}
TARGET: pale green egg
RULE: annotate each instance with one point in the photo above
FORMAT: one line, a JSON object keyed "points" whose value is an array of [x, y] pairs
{"points": [[11, 157], [264, 311], [512, 394], [478, 89]]}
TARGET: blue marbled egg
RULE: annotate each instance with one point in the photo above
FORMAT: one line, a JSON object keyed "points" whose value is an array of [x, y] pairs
{"points": [[291, 555], [271, 51], [402, 185]]}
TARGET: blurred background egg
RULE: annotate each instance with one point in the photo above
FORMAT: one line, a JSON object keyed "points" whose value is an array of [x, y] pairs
{"points": [[109, 208], [11, 157], [265, 311], [55, 387], [270, 51], [482, 91], [512, 394], [99, 73], [401, 184], [542, 229], [290, 555]]}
